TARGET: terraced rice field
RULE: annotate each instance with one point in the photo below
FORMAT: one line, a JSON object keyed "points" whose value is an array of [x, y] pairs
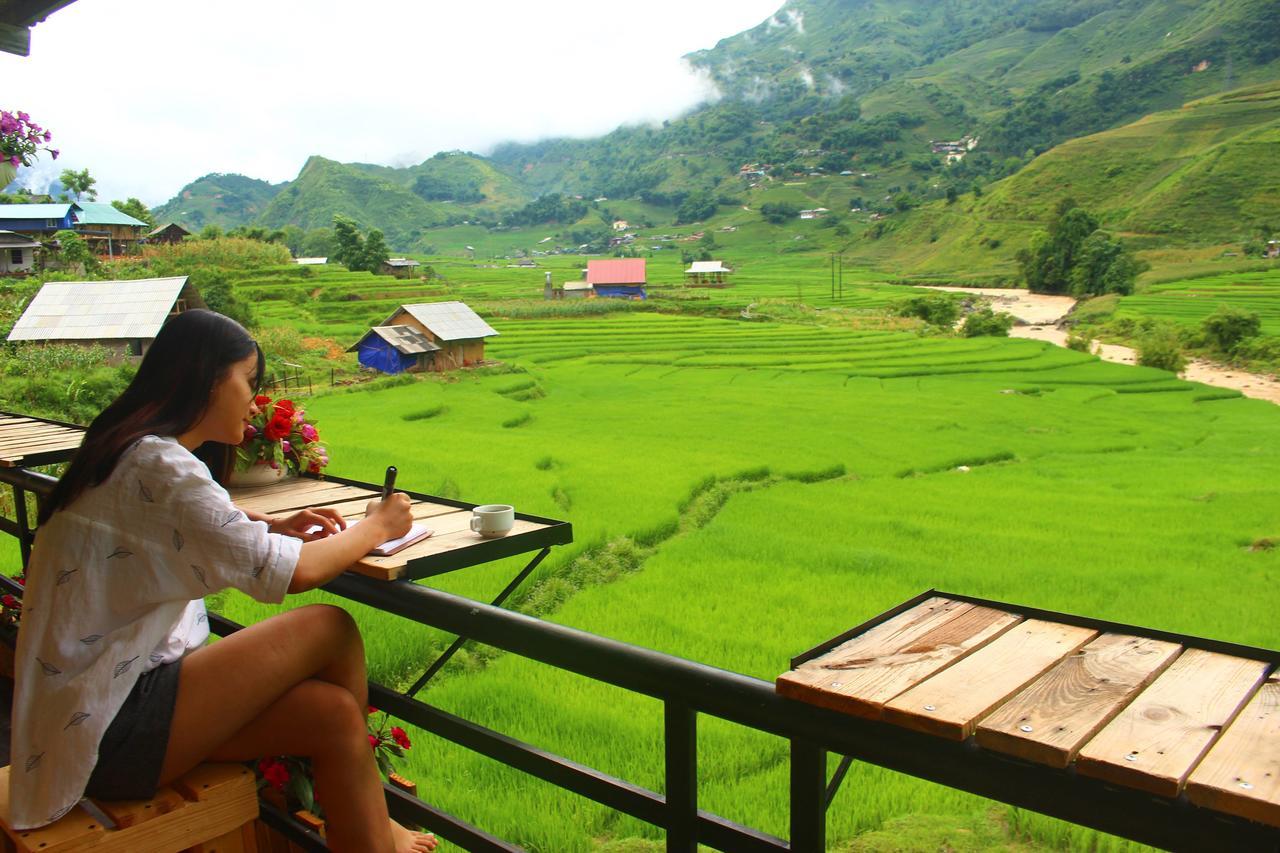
{"points": [[743, 490], [1190, 301]]}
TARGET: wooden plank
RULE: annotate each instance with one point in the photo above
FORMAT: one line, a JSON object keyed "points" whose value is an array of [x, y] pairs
{"points": [[1155, 742], [228, 842], [127, 813], [286, 503], [294, 493], [951, 703], [76, 824], [1060, 711], [391, 568], [11, 445], [858, 677], [420, 510], [1241, 773], [214, 779]]}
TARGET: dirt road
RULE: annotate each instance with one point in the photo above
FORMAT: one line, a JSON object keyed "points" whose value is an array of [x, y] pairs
{"points": [[1042, 312]]}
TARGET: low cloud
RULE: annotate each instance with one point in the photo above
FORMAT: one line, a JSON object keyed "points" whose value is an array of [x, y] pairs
{"points": [[256, 88]]}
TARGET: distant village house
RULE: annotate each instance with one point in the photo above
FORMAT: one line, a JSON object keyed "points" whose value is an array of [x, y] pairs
{"points": [[170, 232], [109, 231], [620, 225], [17, 253], [622, 278], [815, 213], [706, 274], [400, 267], [311, 262], [435, 336], [1273, 248], [123, 316]]}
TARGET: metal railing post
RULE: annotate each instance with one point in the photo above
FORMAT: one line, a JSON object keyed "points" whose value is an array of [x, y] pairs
{"points": [[682, 777], [808, 797]]}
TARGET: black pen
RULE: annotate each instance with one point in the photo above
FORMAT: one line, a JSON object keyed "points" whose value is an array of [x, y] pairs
{"points": [[389, 483]]}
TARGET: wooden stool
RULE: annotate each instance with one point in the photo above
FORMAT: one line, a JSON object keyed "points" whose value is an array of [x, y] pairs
{"points": [[210, 810]]}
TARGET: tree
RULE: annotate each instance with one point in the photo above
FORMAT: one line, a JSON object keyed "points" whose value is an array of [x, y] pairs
{"points": [[292, 236], [319, 243], [210, 232], [1048, 263], [350, 243], [219, 294], [984, 322], [778, 212], [697, 206], [135, 208], [375, 251], [73, 251], [1228, 326], [80, 183]]}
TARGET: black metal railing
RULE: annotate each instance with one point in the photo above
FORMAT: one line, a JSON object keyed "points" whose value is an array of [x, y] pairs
{"points": [[688, 690]]}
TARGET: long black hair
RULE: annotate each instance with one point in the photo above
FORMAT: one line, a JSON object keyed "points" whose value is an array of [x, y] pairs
{"points": [[168, 396]]}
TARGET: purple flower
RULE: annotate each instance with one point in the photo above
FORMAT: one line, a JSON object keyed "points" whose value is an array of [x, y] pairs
{"points": [[250, 431], [15, 161], [286, 446], [47, 136], [54, 152], [23, 116]]}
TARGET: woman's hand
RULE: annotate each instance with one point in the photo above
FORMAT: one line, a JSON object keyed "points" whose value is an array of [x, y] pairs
{"points": [[300, 525], [392, 515]]}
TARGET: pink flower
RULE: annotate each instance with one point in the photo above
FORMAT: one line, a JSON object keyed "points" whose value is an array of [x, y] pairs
{"points": [[250, 431], [47, 136], [14, 161], [309, 432], [286, 446]]}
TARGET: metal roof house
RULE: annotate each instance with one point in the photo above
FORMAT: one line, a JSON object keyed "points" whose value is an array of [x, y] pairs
{"points": [[622, 278], [17, 253], [170, 232], [107, 229], [455, 331], [706, 273], [37, 220], [123, 316], [395, 349], [399, 267]]}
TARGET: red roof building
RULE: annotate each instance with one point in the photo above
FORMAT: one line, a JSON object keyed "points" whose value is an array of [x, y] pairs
{"points": [[626, 271]]}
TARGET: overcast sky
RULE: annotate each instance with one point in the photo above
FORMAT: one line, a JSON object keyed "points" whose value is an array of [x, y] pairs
{"points": [[151, 94]]}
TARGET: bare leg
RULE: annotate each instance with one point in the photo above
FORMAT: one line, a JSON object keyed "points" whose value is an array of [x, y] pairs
{"points": [[293, 684]]}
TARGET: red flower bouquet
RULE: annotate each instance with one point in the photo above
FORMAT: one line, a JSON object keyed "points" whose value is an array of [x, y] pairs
{"points": [[281, 436]]}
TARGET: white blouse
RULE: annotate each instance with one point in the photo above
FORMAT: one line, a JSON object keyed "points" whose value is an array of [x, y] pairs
{"points": [[115, 587]]}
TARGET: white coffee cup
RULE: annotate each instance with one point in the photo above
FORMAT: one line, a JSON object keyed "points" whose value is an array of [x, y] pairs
{"points": [[493, 520]]}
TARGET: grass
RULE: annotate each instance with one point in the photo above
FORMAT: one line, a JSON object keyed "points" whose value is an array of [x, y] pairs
{"points": [[1189, 301], [743, 490]]}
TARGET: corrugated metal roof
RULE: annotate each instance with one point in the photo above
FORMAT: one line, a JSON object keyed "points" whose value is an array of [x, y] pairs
{"points": [[707, 266], [617, 271], [159, 228], [35, 211], [311, 261], [89, 310], [17, 241], [406, 339], [576, 285], [401, 262], [101, 213], [450, 321]]}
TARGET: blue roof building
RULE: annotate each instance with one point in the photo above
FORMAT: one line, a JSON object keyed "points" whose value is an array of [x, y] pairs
{"points": [[38, 218]]}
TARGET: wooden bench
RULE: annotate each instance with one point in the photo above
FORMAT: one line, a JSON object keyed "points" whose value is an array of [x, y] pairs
{"points": [[1176, 717], [212, 809]]}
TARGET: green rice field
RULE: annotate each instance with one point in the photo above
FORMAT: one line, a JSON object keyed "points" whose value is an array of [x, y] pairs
{"points": [[1191, 300], [742, 490]]}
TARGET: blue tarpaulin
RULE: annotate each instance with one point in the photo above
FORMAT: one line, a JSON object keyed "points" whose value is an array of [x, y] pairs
{"points": [[376, 353], [623, 291]]}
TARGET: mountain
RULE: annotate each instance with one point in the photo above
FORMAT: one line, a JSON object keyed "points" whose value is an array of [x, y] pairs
{"points": [[827, 87], [218, 199]]}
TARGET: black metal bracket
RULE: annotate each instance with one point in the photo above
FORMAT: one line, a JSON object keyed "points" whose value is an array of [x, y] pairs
{"points": [[457, 644]]}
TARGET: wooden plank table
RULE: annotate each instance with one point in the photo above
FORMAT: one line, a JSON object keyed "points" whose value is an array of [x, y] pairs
{"points": [[451, 546], [26, 442], [1172, 715]]}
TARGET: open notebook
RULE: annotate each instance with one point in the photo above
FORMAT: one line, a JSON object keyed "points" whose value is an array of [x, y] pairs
{"points": [[416, 533]]}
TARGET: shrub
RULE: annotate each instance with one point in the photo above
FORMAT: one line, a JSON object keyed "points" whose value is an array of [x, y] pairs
{"points": [[1080, 341], [985, 322], [1096, 310], [281, 342], [1228, 326], [228, 252], [938, 309], [1161, 348]]}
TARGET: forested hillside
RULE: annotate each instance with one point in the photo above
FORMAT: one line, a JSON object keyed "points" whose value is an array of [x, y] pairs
{"points": [[860, 87]]}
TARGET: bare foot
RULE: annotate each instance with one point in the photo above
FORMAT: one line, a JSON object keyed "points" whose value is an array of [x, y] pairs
{"points": [[408, 841]]}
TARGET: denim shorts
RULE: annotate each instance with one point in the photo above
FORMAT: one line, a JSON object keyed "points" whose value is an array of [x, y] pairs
{"points": [[132, 751]]}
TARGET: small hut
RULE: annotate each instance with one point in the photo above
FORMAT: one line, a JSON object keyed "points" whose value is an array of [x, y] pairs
{"points": [[455, 331], [108, 230], [123, 316], [622, 278], [578, 290], [706, 274], [400, 267], [17, 253], [395, 349], [170, 232]]}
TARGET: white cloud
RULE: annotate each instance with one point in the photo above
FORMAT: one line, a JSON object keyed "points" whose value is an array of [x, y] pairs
{"points": [[151, 94]]}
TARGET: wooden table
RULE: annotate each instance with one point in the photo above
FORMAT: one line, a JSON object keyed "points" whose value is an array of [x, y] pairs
{"points": [[1162, 713], [452, 546], [26, 441]]}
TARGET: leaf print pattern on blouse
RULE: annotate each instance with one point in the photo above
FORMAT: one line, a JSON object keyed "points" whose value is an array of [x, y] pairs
{"points": [[178, 541], [234, 516], [199, 573], [202, 618], [58, 815], [123, 667], [119, 552], [34, 761], [257, 571], [49, 669], [155, 657], [76, 719], [91, 639], [145, 493], [64, 576]]}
